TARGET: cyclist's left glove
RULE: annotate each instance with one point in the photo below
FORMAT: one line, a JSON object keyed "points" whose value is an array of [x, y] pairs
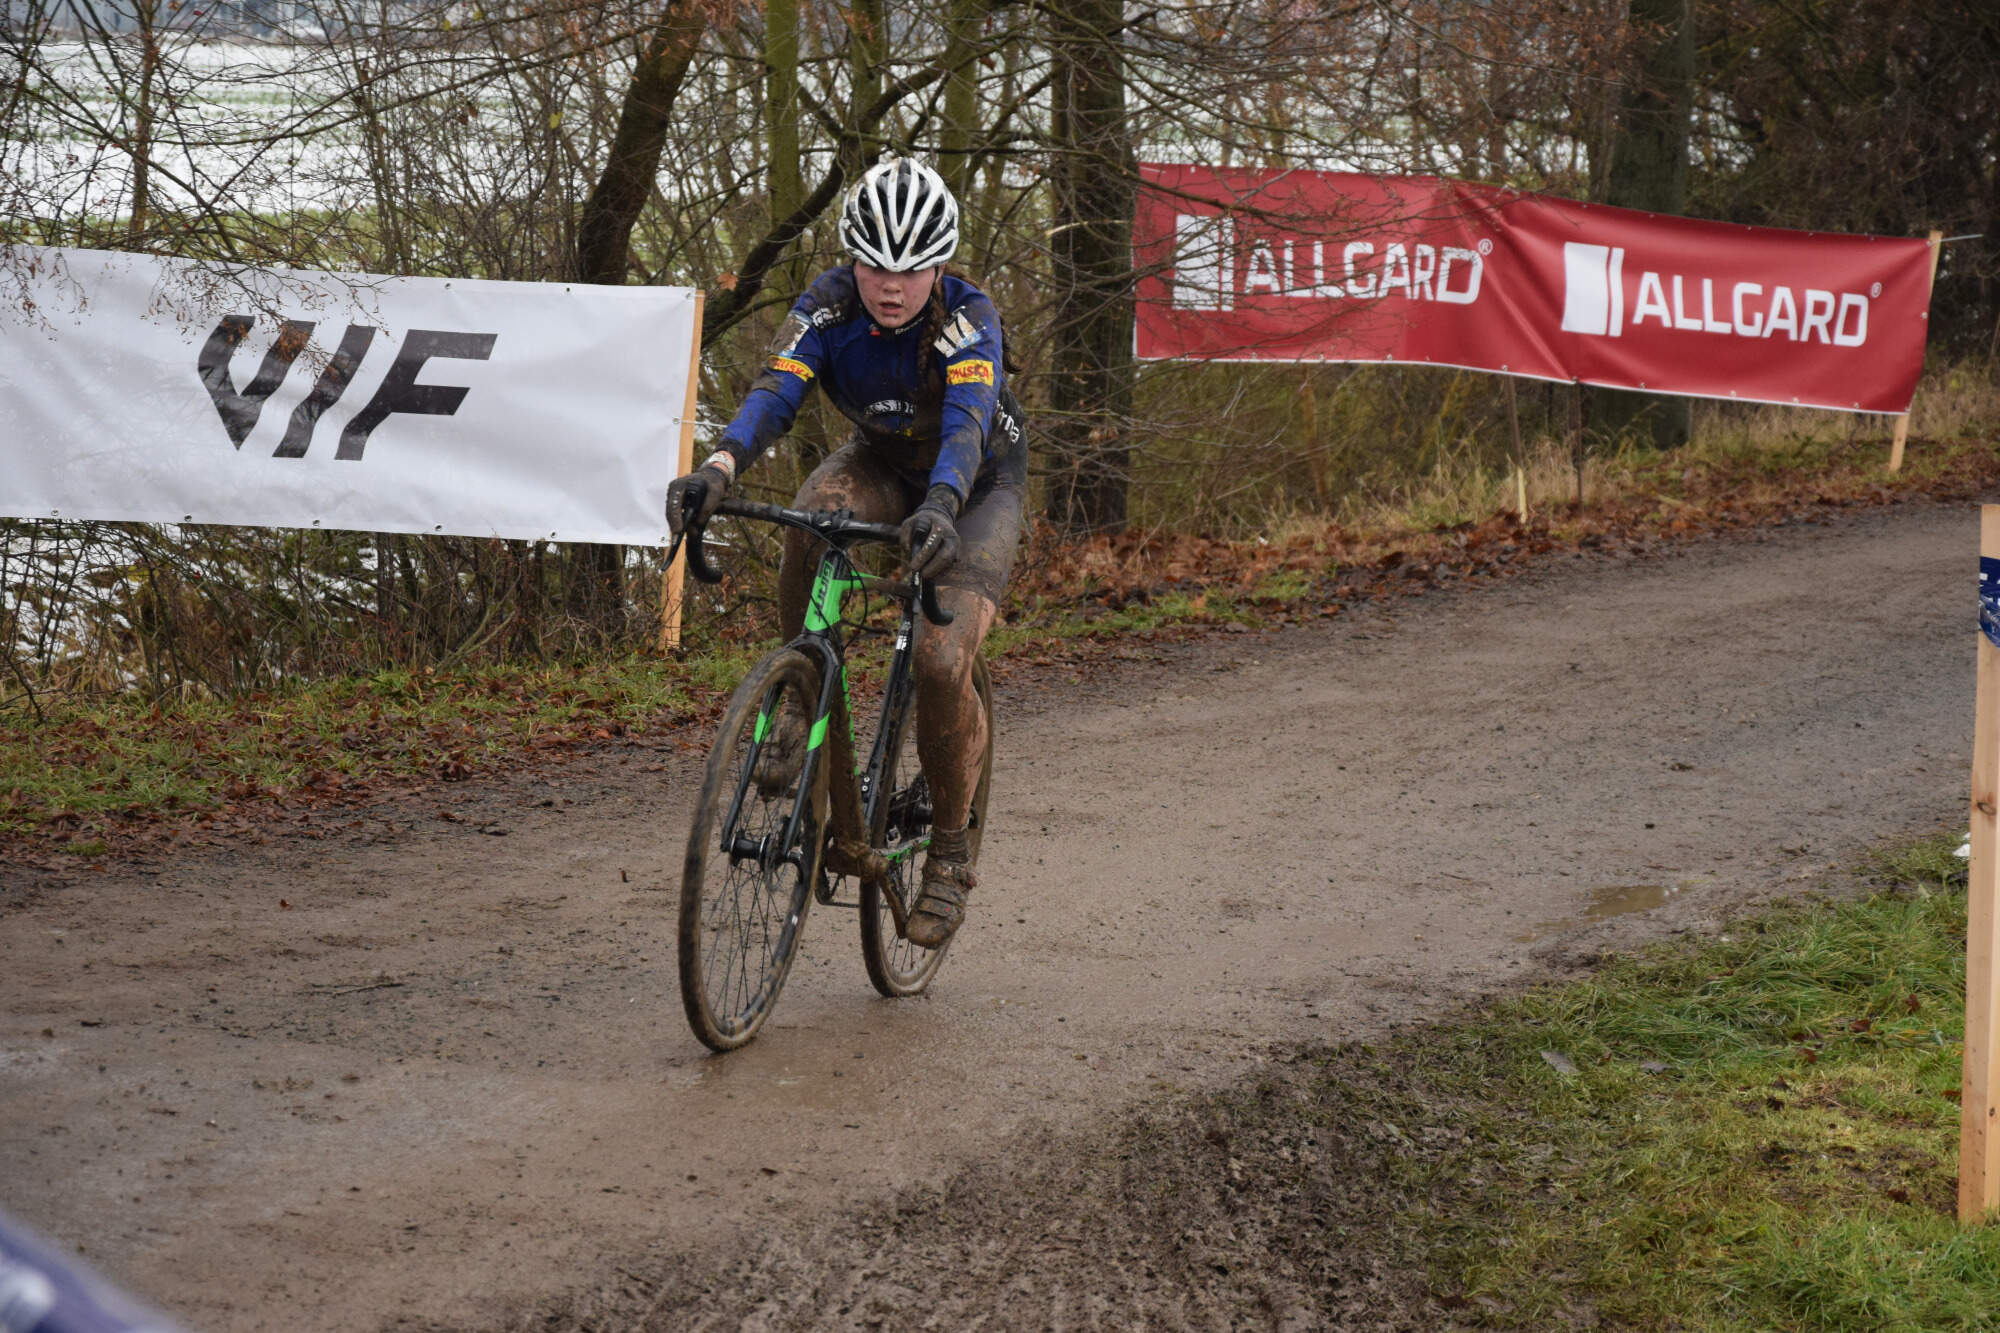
{"points": [[695, 497], [931, 534]]}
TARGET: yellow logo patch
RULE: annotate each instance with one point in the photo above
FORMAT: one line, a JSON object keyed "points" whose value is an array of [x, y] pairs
{"points": [[799, 368], [969, 372]]}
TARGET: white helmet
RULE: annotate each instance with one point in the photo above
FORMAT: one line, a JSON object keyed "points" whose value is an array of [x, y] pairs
{"points": [[900, 217]]}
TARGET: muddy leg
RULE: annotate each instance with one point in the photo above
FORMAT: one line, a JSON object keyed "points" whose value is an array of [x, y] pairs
{"points": [[951, 726]]}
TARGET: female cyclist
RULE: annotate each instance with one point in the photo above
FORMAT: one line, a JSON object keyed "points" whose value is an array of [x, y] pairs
{"points": [[912, 356]]}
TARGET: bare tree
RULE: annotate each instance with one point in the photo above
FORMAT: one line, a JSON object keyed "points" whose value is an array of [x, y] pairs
{"points": [[1091, 175]]}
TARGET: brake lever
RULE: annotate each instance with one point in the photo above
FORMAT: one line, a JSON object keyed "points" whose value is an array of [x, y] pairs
{"points": [[692, 534], [697, 555], [933, 610]]}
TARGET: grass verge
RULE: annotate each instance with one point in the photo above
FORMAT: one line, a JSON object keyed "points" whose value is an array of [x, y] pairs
{"points": [[83, 776], [1759, 1132]]}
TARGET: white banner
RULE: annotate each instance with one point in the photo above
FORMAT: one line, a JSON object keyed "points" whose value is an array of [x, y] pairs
{"points": [[168, 391]]}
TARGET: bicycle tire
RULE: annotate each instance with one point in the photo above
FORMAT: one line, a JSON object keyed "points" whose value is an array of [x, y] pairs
{"points": [[897, 967], [741, 917]]}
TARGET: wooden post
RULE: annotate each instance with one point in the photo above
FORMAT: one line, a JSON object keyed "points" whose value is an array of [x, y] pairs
{"points": [[1576, 437], [1520, 458], [1979, 1135], [1903, 420], [672, 577]]}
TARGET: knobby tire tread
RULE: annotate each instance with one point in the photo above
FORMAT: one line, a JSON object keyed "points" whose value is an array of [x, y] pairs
{"points": [[711, 913]]}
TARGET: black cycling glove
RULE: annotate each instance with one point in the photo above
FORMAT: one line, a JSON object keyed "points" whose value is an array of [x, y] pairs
{"points": [[930, 535], [695, 497]]}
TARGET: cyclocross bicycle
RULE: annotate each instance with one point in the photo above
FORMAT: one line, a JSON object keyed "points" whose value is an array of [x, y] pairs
{"points": [[773, 830]]}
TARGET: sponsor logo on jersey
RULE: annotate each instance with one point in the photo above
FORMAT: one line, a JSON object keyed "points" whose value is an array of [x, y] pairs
{"points": [[956, 336], [792, 367], [790, 332], [892, 407], [969, 372]]}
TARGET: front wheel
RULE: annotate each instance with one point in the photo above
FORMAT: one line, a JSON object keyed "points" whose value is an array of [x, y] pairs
{"points": [[752, 854], [896, 966]]}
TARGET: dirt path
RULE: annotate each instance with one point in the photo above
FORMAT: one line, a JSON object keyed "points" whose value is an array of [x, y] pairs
{"points": [[433, 1070]]}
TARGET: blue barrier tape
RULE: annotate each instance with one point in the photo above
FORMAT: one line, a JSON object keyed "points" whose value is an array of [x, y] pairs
{"points": [[1989, 599]]}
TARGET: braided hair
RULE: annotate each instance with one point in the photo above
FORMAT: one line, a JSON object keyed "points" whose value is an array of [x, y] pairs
{"points": [[934, 317]]}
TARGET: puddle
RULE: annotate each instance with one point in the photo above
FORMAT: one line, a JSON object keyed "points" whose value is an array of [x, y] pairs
{"points": [[1605, 903]]}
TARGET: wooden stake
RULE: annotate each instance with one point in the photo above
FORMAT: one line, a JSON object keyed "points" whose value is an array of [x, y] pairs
{"points": [[1576, 438], [672, 577], [1520, 459], [1978, 1135], [1903, 420]]}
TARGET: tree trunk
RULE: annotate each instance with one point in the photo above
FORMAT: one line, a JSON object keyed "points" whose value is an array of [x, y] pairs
{"points": [[596, 583], [604, 232], [867, 49], [1091, 370], [961, 96], [781, 106], [142, 120], [1649, 170]]}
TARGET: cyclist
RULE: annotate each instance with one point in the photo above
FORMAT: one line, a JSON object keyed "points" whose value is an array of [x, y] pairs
{"points": [[911, 354]]}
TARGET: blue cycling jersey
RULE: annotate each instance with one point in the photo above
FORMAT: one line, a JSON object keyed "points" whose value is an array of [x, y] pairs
{"points": [[932, 411]]}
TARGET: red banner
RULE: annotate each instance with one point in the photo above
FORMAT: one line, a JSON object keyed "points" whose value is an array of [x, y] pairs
{"points": [[1327, 266]]}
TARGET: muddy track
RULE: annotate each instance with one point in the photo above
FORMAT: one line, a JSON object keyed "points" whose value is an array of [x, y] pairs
{"points": [[428, 1066]]}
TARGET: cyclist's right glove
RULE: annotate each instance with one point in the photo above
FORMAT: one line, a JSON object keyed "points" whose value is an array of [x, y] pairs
{"points": [[931, 535], [696, 496]]}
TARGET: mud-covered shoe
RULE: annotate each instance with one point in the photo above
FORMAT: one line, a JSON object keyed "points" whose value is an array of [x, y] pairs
{"points": [[948, 879], [783, 755]]}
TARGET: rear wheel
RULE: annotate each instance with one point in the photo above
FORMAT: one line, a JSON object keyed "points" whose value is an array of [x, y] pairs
{"points": [[896, 966], [752, 856]]}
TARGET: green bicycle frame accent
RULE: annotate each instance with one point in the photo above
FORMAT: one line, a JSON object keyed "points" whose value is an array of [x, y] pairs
{"points": [[835, 579], [821, 638]]}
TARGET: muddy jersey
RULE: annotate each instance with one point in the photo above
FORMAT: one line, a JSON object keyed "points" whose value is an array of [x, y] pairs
{"points": [[937, 415]]}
